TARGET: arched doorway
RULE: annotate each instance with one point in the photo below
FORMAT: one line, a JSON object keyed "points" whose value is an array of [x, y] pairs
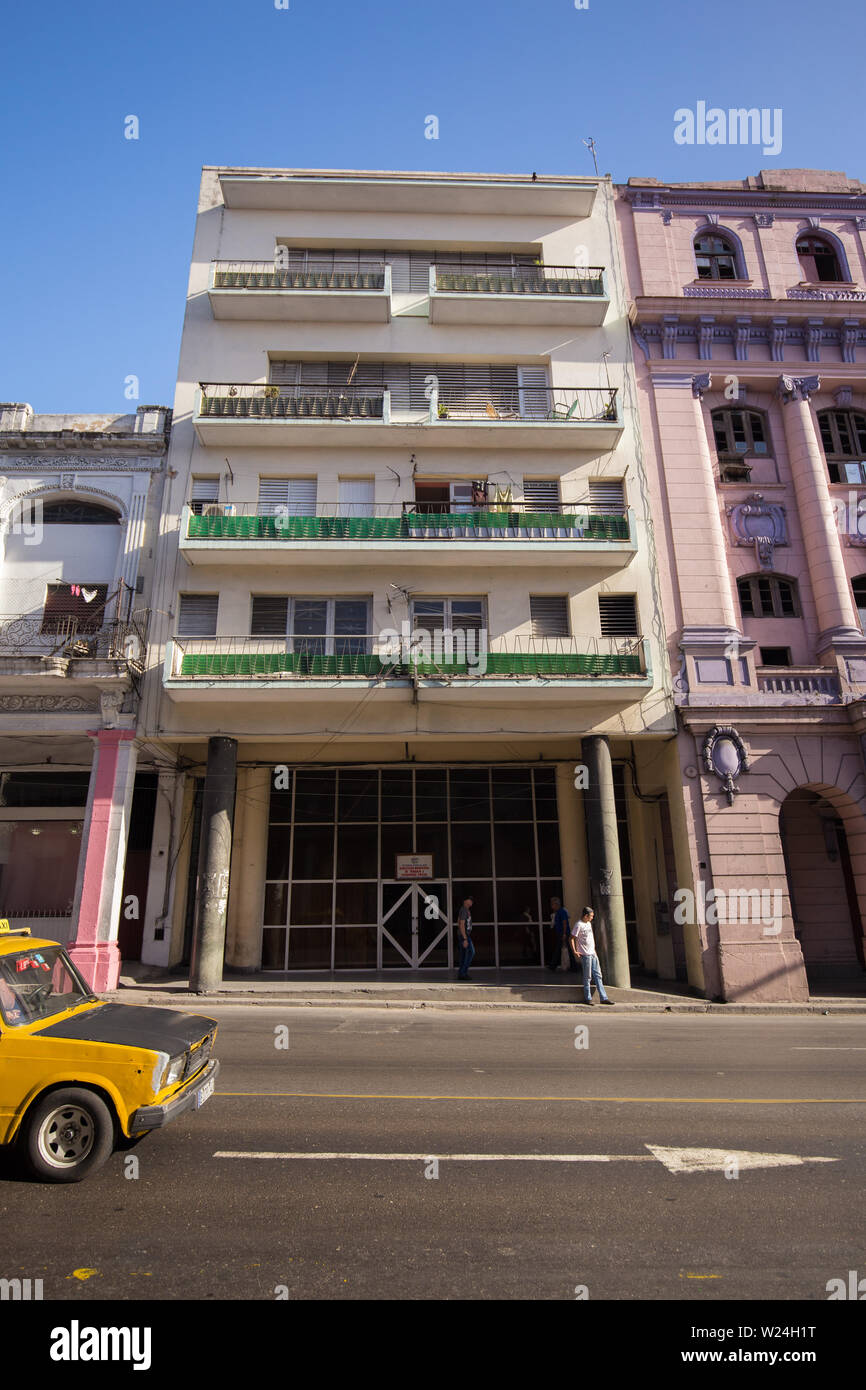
{"points": [[821, 883]]}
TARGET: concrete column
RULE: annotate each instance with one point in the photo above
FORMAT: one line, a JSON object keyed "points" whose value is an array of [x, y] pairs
{"points": [[572, 839], [837, 618], [706, 591], [247, 894], [168, 825], [100, 878], [605, 875], [214, 863]]}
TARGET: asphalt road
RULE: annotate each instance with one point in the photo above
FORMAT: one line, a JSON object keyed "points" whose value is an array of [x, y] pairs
{"points": [[182, 1222]]}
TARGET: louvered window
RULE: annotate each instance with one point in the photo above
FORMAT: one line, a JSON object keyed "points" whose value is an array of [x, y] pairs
{"points": [[410, 271], [618, 615], [287, 496], [549, 615], [476, 388], [203, 492], [197, 615], [318, 626], [606, 495], [74, 608], [541, 494], [458, 614]]}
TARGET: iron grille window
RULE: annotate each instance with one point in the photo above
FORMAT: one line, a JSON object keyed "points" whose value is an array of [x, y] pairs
{"points": [[715, 257], [843, 435], [739, 432], [606, 495], [859, 587], [766, 596], [197, 615], [74, 513], [618, 615], [78, 608], [549, 615]]}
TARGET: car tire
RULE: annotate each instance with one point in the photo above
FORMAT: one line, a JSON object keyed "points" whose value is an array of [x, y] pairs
{"points": [[67, 1135]]}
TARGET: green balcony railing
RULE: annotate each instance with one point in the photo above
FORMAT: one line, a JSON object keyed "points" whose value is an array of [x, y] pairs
{"points": [[514, 523]]}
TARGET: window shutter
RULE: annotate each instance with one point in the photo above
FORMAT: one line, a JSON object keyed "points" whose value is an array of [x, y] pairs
{"points": [[606, 495], [357, 496], [534, 396], [549, 616], [202, 492], [197, 615], [541, 494], [270, 617], [618, 614], [410, 271], [296, 495]]}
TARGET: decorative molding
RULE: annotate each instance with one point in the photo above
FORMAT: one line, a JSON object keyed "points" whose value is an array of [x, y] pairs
{"points": [[681, 680], [814, 223], [725, 756], [640, 338], [46, 489], [666, 217], [713, 219], [779, 333], [741, 341], [764, 219], [105, 463], [826, 294], [848, 340], [812, 331], [44, 704], [798, 388], [844, 395], [705, 336], [723, 292], [700, 384], [759, 523], [670, 323]]}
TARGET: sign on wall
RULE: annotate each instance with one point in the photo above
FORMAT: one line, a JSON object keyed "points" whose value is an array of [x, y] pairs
{"points": [[414, 865]]}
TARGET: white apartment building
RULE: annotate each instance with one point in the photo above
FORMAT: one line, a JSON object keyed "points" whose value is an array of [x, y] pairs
{"points": [[406, 589]]}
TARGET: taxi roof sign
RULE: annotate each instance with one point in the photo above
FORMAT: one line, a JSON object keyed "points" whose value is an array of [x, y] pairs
{"points": [[7, 930]]}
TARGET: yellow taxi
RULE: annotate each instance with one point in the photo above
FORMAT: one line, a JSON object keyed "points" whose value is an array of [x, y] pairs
{"points": [[80, 1076]]}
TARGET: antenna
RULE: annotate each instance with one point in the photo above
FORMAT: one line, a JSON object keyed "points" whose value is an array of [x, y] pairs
{"points": [[590, 145], [605, 355]]}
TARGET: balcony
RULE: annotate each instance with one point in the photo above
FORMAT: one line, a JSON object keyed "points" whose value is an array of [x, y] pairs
{"points": [[240, 534], [36, 653], [422, 664], [544, 294], [331, 294], [559, 417], [799, 685]]}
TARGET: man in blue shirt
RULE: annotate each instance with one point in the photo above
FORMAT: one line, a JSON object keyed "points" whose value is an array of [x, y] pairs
{"points": [[561, 931]]}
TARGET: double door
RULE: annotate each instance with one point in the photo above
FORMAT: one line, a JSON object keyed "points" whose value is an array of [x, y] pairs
{"points": [[414, 925]]}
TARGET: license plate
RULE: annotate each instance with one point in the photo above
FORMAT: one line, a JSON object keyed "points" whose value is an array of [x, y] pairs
{"points": [[205, 1093]]}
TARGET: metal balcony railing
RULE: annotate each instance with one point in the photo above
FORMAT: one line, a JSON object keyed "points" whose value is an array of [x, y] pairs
{"points": [[313, 401], [74, 639], [407, 521], [467, 278], [268, 275], [420, 653]]}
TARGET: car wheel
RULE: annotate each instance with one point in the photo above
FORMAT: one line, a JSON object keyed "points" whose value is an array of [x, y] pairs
{"points": [[67, 1135]]}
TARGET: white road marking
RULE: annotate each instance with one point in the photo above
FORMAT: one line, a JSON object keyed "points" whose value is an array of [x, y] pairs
{"points": [[675, 1160], [828, 1049]]}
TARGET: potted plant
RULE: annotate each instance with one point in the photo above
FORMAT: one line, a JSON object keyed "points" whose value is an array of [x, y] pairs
{"points": [[442, 412]]}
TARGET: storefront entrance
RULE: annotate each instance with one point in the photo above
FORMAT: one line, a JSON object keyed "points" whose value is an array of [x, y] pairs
{"points": [[414, 925]]}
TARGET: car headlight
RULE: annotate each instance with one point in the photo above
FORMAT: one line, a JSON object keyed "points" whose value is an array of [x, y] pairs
{"points": [[168, 1070]]}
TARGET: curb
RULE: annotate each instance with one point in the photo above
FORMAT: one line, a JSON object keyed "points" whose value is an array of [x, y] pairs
{"points": [[233, 999]]}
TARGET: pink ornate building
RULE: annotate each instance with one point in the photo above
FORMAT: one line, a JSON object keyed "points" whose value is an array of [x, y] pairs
{"points": [[748, 307]]}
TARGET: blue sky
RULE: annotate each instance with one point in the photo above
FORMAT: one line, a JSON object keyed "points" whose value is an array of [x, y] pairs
{"points": [[97, 229]]}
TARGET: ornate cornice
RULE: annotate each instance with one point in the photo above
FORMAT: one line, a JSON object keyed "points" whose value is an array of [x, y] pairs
{"points": [[46, 704], [103, 463], [721, 200]]}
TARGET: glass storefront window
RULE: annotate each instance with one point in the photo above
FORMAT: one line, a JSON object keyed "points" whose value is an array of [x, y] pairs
{"points": [[334, 837], [38, 867]]}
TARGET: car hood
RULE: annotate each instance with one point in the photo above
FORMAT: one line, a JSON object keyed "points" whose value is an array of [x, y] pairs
{"points": [[133, 1025]]}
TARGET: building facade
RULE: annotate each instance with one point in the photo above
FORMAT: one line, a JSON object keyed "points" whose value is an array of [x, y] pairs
{"points": [[406, 643], [80, 497], [748, 309]]}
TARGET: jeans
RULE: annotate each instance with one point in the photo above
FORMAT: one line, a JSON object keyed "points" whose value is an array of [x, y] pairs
{"points": [[591, 976], [467, 955]]}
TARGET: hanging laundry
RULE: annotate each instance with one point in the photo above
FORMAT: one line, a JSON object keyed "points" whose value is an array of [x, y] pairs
{"points": [[75, 589], [89, 594]]}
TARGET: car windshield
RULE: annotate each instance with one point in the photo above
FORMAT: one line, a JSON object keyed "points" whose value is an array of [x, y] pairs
{"points": [[37, 983]]}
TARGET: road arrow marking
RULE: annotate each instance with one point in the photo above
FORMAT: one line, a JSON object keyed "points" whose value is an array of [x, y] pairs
{"points": [[712, 1160], [675, 1160]]}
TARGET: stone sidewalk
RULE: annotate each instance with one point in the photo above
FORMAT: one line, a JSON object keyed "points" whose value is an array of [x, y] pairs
{"points": [[488, 989]]}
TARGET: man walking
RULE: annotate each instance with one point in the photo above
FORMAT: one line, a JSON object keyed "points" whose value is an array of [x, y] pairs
{"points": [[583, 948], [467, 947]]}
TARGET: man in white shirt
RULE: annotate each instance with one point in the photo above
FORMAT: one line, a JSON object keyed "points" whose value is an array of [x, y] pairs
{"points": [[582, 944]]}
